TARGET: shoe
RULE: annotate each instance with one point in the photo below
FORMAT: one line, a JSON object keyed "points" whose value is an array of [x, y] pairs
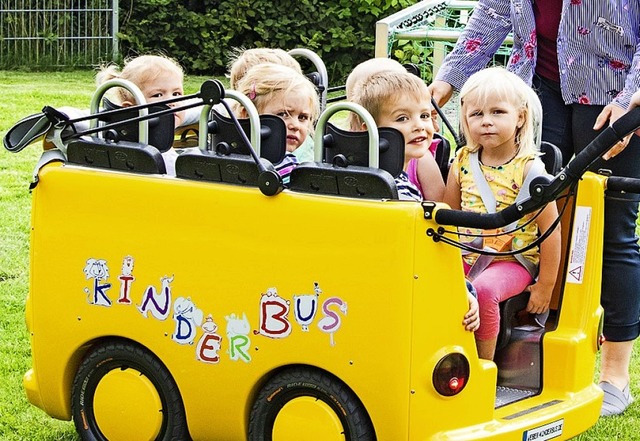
{"points": [[615, 401]]}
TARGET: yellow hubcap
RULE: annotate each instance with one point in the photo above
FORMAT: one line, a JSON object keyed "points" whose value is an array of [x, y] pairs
{"points": [[127, 406], [307, 418]]}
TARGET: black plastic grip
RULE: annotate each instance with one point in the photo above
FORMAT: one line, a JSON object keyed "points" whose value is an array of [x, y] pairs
{"points": [[483, 221], [627, 185], [571, 173]]}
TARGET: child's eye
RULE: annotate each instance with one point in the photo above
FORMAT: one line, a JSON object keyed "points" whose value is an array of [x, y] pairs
{"points": [[426, 116], [303, 117], [157, 95], [283, 115], [177, 93], [402, 119]]}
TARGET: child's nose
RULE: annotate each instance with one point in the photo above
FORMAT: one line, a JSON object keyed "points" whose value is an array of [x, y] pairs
{"points": [[293, 124]]}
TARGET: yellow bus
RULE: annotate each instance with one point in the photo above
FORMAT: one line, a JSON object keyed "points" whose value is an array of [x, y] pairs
{"points": [[182, 307]]}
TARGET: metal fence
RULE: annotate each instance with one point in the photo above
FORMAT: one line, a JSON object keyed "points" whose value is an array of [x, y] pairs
{"points": [[57, 32]]}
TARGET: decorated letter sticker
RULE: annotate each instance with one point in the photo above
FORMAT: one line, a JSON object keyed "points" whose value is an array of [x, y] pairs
{"points": [[274, 315], [238, 331], [305, 307], [187, 318], [98, 271], [210, 342]]}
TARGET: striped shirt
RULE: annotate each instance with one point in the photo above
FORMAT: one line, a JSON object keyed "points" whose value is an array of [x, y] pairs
{"points": [[407, 191], [285, 166], [598, 47]]}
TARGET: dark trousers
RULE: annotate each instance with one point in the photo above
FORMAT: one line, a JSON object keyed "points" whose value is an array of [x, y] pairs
{"points": [[570, 127]]}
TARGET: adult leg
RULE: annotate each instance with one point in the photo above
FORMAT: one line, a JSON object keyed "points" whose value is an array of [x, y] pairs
{"points": [[556, 117], [498, 282], [621, 257]]}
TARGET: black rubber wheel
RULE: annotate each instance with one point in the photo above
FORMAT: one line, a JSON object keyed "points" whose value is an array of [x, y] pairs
{"points": [[119, 381], [319, 388]]}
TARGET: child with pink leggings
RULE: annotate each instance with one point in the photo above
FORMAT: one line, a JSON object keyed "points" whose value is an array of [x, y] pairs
{"points": [[500, 115]]}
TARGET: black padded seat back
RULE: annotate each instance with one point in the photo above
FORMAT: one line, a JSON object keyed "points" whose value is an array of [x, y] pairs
{"points": [[214, 167], [354, 148], [442, 155], [273, 136], [551, 157], [352, 181], [161, 128], [123, 155]]}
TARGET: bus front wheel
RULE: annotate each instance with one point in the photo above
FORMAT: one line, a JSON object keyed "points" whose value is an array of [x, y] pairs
{"points": [[122, 392]]}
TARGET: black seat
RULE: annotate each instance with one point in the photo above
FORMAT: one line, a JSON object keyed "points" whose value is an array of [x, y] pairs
{"points": [[227, 158], [552, 157], [345, 169], [511, 308], [352, 148], [273, 136], [161, 128], [354, 181], [442, 155], [123, 155]]}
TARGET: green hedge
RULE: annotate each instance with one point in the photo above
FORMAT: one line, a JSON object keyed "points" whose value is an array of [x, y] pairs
{"points": [[199, 33]]}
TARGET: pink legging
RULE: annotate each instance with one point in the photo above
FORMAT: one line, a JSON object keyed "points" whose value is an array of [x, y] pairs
{"points": [[498, 282]]}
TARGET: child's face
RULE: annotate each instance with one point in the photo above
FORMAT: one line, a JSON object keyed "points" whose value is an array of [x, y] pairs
{"points": [[412, 117], [296, 112], [492, 125], [165, 86]]}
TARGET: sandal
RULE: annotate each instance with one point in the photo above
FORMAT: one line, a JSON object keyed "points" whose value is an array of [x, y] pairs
{"points": [[615, 401]]}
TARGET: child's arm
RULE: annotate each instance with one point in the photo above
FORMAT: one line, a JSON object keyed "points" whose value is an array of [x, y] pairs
{"points": [[542, 289], [430, 178]]}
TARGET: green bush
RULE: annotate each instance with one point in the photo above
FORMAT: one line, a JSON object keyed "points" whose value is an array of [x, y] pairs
{"points": [[200, 33]]}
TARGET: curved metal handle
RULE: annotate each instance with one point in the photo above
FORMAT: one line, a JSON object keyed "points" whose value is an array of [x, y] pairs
{"points": [[254, 120], [372, 129], [143, 126], [322, 70]]}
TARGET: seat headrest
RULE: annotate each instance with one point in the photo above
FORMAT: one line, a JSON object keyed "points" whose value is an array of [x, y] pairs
{"points": [[273, 135], [161, 128], [354, 146]]}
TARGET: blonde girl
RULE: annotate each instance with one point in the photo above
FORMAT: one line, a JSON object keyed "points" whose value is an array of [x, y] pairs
{"points": [[497, 113], [280, 90], [158, 78]]}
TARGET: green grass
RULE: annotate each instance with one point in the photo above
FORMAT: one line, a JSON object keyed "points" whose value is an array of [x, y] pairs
{"points": [[24, 94]]}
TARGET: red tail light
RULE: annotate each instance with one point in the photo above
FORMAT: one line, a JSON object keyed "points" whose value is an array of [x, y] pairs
{"points": [[451, 374]]}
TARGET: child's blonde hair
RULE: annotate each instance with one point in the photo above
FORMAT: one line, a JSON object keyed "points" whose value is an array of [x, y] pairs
{"points": [[263, 81], [368, 68], [241, 60], [360, 73], [498, 84], [387, 86], [140, 71]]}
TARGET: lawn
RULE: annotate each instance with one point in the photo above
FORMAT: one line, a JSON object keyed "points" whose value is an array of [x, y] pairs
{"points": [[26, 93]]}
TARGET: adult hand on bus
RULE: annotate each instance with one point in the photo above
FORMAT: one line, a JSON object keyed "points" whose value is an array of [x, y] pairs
{"points": [[441, 92], [611, 113], [635, 102]]}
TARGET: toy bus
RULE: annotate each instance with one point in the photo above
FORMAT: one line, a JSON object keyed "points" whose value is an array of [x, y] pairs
{"points": [[206, 305]]}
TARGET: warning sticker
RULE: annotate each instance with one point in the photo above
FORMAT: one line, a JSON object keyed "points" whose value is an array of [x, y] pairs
{"points": [[579, 241]]}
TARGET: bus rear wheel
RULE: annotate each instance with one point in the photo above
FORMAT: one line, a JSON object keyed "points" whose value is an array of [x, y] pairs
{"points": [[300, 401]]}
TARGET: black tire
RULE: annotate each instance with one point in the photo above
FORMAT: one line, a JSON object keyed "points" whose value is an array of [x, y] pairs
{"points": [[304, 381], [120, 356]]}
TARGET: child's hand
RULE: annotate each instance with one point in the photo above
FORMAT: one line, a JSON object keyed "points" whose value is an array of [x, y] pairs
{"points": [[540, 298], [471, 320]]}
